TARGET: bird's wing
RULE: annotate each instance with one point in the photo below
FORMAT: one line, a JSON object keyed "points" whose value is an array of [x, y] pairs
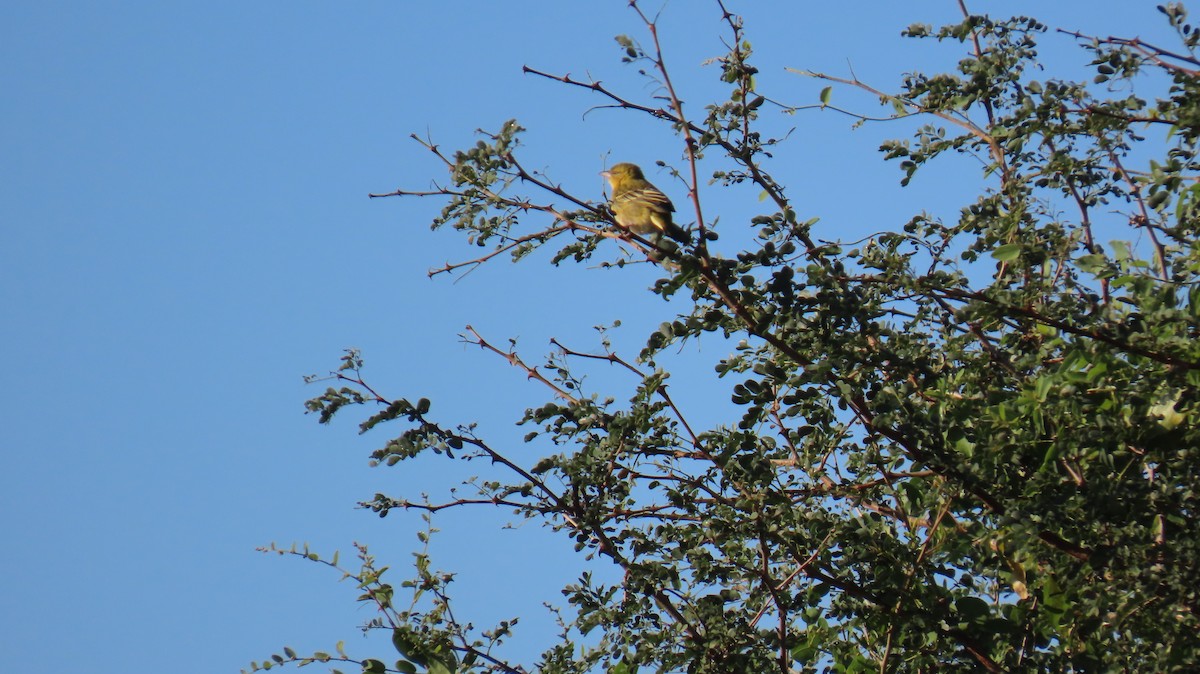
{"points": [[650, 196]]}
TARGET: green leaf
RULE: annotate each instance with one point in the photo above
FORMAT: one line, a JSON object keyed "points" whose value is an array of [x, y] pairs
{"points": [[825, 95], [1093, 263], [973, 609], [1120, 250], [623, 667], [1008, 252], [408, 645], [1164, 409], [964, 446], [1053, 597]]}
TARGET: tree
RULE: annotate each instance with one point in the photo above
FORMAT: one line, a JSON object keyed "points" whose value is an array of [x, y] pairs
{"points": [[966, 444]]}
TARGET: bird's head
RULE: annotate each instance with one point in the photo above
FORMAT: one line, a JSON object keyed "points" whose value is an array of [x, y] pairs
{"points": [[623, 171]]}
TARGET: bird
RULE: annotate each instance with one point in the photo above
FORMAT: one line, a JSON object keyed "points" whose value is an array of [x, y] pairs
{"points": [[639, 206]]}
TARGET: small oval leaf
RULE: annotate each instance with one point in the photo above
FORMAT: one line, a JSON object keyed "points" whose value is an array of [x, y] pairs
{"points": [[1007, 252]]}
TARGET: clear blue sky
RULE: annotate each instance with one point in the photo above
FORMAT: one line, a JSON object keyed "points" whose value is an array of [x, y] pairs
{"points": [[184, 233]]}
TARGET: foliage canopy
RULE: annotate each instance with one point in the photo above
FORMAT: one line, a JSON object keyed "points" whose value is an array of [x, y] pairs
{"points": [[963, 444]]}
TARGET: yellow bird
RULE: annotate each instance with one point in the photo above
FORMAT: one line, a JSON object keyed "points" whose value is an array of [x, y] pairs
{"points": [[639, 206]]}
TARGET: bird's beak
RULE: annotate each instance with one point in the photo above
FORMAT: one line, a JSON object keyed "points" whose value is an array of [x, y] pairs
{"points": [[606, 174]]}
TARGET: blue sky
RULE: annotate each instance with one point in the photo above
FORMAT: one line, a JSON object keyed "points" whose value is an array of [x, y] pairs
{"points": [[185, 232]]}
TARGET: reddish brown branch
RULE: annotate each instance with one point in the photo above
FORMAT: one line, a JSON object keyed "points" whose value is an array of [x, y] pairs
{"points": [[1029, 313], [1153, 53]]}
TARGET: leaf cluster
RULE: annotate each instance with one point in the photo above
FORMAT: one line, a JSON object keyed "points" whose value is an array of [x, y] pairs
{"points": [[960, 444]]}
